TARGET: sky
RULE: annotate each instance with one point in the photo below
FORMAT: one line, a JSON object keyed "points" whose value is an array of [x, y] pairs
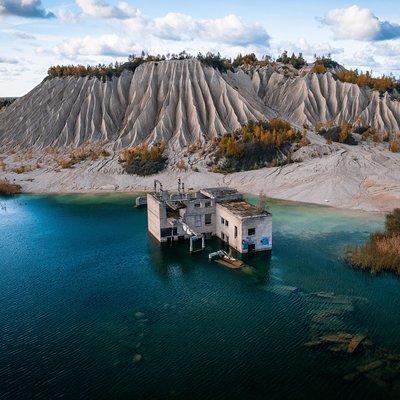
{"points": [[35, 34]]}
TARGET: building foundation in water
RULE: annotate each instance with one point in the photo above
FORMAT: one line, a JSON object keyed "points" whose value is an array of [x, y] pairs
{"points": [[200, 215]]}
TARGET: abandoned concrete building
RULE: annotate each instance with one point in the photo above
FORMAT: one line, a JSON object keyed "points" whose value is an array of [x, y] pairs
{"points": [[199, 215]]}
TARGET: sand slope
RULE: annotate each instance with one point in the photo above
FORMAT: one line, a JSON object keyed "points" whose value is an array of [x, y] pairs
{"points": [[182, 102]]}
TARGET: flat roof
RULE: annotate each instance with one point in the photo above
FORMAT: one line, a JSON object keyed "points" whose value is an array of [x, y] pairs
{"points": [[243, 209], [219, 192]]}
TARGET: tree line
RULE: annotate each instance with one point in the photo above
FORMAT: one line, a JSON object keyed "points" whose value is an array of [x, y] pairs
{"points": [[384, 83], [214, 60]]}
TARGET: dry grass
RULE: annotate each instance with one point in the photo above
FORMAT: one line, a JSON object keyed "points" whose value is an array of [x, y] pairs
{"points": [[194, 147], [318, 68], [304, 140], [22, 169], [181, 166], [394, 146], [7, 188], [92, 151], [381, 253], [65, 163]]}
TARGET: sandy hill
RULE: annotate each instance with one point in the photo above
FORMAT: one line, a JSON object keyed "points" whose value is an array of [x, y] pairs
{"points": [[183, 101]]}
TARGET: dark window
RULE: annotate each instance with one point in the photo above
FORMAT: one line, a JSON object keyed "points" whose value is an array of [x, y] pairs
{"points": [[165, 232], [226, 222], [236, 232], [197, 204], [207, 204], [223, 236], [222, 221], [198, 221], [207, 219], [251, 231]]}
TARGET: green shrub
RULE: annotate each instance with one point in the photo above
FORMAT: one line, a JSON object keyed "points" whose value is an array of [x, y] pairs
{"points": [[338, 133], [296, 61], [255, 145], [143, 160]]}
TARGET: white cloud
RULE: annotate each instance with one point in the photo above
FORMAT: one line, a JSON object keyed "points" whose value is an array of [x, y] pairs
{"points": [[106, 45], [101, 9], [67, 16], [229, 29], [24, 8], [360, 24], [173, 32], [362, 58], [6, 60], [308, 49]]}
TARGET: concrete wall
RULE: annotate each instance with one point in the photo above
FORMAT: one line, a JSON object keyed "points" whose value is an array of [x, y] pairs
{"points": [[156, 217], [262, 239], [195, 216], [222, 228]]}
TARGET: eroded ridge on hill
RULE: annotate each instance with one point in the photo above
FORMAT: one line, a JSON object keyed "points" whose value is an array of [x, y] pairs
{"points": [[184, 101]]}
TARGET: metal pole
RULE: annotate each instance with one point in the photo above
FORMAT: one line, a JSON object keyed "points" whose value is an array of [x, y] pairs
{"points": [[191, 244], [203, 244]]}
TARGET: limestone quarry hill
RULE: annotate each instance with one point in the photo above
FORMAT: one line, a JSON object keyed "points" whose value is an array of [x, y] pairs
{"points": [[182, 102]]}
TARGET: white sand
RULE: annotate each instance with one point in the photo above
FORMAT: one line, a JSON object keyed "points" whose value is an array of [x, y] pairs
{"points": [[365, 177]]}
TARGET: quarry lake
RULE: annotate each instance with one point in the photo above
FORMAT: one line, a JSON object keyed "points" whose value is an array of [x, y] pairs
{"points": [[84, 292]]}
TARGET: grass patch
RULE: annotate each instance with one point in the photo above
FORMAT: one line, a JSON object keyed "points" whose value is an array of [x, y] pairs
{"points": [[92, 151], [8, 188], [381, 253]]}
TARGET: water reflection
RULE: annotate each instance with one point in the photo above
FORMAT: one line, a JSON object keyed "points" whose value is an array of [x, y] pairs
{"points": [[172, 261]]}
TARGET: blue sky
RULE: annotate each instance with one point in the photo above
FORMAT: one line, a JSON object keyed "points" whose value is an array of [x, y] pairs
{"points": [[35, 34]]}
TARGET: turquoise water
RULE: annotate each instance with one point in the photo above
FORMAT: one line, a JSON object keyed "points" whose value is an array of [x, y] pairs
{"points": [[76, 269]]}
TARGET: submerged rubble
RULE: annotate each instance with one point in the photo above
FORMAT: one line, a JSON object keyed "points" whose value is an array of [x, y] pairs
{"points": [[340, 342]]}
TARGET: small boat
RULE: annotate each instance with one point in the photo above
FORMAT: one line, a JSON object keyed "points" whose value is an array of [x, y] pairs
{"points": [[223, 258]]}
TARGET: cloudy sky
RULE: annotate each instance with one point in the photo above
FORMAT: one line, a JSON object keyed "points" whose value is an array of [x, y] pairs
{"points": [[35, 34]]}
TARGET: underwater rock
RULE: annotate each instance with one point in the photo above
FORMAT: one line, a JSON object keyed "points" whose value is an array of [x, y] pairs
{"points": [[351, 377], [137, 358], [340, 342], [282, 289], [370, 366], [139, 315], [355, 342], [324, 295]]}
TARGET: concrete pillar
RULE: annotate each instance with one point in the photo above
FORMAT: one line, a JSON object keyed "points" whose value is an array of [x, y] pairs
{"points": [[191, 244], [203, 242]]}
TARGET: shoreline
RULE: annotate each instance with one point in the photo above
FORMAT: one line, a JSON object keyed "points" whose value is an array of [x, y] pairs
{"points": [[364, 177], [135, 193]]}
